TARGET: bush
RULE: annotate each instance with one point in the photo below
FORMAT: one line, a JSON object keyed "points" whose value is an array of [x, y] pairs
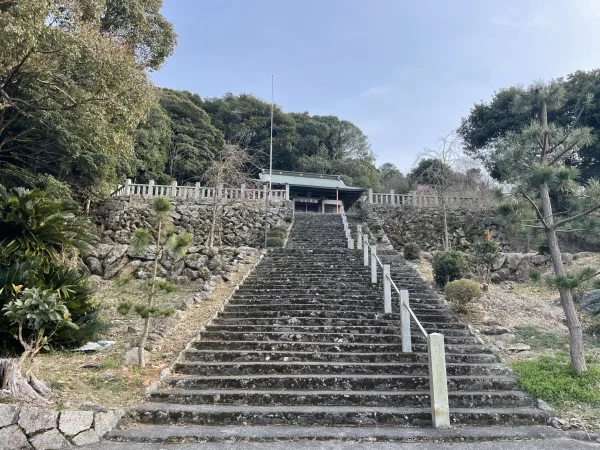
{"points": [[461, 293], [412, 252], [288, 219], [275, 242], [277, 234], [449, 266], [553, 380]]}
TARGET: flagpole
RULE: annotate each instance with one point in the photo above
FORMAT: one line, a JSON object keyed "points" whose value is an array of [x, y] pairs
{"points": [[271, 150]]}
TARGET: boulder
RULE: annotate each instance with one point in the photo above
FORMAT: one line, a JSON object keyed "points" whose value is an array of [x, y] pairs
{"points": [[12, 438], [95, 265], [49, 440], [32, 419], [131, 358], [74, 422], [116, 253], [111, 270], [106, 421], [8, 415], [86, 438]]}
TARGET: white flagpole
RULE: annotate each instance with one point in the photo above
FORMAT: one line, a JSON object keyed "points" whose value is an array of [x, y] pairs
{"points": [[271, 151]]}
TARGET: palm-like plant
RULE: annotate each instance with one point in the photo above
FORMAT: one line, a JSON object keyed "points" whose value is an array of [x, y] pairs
{"points": [[33, 227]]}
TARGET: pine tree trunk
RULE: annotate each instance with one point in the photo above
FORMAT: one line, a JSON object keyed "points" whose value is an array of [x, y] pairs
{"points": [[16, 385], [566, 299]]}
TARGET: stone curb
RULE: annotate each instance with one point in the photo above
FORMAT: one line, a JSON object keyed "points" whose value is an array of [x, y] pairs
{"points": [[25, 426]]}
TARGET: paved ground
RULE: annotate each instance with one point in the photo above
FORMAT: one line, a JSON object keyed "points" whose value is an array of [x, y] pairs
{"points": [[552, 444]]}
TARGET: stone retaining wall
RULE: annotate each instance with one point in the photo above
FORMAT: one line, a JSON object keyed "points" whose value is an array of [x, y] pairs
{"points": [[424, 226], [26, 426]]}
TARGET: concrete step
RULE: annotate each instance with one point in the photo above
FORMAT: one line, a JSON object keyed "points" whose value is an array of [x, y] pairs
{"points": [[421, 399], [351, 382], [285, 356], [327, 367], [168, 414], [391, 329]]}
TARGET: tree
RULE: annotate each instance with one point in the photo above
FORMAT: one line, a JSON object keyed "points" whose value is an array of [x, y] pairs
{"points": [[392, 178], [231, 168], [73, 86], [534, 162], [166, 240], [491, 121], [434, 169]]}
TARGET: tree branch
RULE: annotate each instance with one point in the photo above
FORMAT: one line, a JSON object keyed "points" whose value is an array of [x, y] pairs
{"points": [[577, 216], [537, 210]]}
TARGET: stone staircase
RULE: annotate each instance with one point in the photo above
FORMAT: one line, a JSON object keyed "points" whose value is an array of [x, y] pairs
{"points": [[304, 345]]}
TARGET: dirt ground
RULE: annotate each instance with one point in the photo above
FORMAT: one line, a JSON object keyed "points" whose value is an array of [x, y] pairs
{"points": [[112, 384], [534, 316]]}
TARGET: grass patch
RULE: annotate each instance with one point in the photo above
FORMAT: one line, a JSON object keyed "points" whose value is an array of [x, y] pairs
{"points": [[542, 340], [552, 380]]}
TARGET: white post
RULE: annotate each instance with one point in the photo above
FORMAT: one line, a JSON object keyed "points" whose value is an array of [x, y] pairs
{"points": [[287, 191], [351, 244], [373, 264], [359, 236], [197, 191], [366, 252], [127, 186], [387, 290], [219, 190], [243, 191], [440, 410], [151, 188], [173, 189], [371, 196], [405, 322], [392, 197]]}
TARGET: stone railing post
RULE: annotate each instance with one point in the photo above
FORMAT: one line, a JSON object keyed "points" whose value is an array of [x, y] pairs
{"points": [[287, 191], [392, 197], [366, 252], [264, 192], [371, 196], [351, 244], [197, 191], [373, 264], [173, 192], [243, 191], [414, 198], [438, 383], [219, 190], [150, 188], [359, 236], [405, 322], [127, 186], [387, 290]]}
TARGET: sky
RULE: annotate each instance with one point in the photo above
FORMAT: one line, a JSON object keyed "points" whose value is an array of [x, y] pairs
{"points": [[405, 72]]}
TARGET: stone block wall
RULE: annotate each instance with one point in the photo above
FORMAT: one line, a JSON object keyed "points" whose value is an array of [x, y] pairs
{"points": [[241, 225], [40, 428], [424, 226]]}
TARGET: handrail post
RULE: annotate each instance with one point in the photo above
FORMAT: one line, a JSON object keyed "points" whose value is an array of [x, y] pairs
{"points": [[351, 244], [173, 189], [405, 322], [438, 383], [359, 236], [373, 264], [127, 186], [151, 188], [366, 252], [387, 290]]}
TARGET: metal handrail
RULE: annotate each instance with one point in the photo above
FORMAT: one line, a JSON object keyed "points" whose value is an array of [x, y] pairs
{"points": [[409, 309]]}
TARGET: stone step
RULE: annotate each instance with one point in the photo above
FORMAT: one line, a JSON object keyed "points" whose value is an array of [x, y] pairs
{"points": [[167, 414], [332, 314], [193, 354], [342, 308], [325, 337], [327, 367], [468, 399], [342, 347], [303, 437], [391, 329], [350, 382]]}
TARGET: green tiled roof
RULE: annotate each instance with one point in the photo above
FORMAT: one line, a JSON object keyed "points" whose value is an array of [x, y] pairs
{"points": [[307, 179]]}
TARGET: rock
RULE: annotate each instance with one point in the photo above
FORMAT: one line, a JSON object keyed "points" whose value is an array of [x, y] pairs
{"points": [[86, 438], [131, 358], [74, 422], [186, 303], [130, 268], [106, 421], [116, 253], [181, 279], [102, 250], [226, 278], [8, 415], [513, 260], [494, 331], [95, 265], [191, 274], [507, 337], [49, 440], [519, 347], [196, 261], [499, 261], [146, 254], [115, 268], [544, 406], [201, 296], [12, 438], [32, 419]]}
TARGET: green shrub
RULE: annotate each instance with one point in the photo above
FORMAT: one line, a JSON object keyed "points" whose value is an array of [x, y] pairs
{"points": [[412, 252], [275, 242], [277, 233], [461, 293], [449, 266], [288, 219], [553, 380]]}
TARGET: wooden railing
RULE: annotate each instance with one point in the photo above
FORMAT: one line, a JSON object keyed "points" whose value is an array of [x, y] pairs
{"points": [[423, 200], [198, 192]]}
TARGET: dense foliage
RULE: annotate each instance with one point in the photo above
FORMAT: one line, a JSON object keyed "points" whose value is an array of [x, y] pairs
{"points": [[449, 266], [39, 239], [73, 88]]}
